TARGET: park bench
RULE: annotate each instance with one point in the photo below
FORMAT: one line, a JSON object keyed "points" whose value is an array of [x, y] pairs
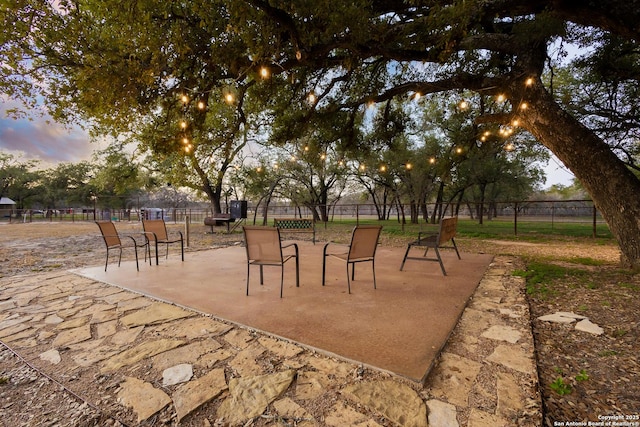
{"points": [[296, 225], [446, 232]]}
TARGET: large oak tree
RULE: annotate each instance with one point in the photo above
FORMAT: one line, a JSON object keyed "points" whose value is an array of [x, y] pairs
{"points": [[370, 51]]}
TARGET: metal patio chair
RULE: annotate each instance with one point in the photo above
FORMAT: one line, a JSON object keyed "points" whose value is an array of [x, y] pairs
{"points": [[265, 248], [364, 241], [155, 230], [112, 241]]}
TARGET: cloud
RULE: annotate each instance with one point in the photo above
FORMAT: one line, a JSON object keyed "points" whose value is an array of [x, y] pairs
{"points": [[40, 138]]}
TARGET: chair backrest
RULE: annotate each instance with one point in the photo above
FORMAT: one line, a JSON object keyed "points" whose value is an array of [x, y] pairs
{"points": [[448, 227], [109, 233], [155, 226], [364, 241], [263, 243]]}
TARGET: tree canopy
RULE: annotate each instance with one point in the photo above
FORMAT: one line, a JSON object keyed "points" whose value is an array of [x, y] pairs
{"points": [[269, 70]]}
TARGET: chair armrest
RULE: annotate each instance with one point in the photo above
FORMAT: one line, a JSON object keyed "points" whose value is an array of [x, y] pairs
{"points": [[146, 233], [295, 246], [135, 242], [326, 245]]}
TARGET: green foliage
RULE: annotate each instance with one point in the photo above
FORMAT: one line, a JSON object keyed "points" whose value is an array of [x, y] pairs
{"points": [[582, 376], [18, 180], [560, 387], [541, 276]]}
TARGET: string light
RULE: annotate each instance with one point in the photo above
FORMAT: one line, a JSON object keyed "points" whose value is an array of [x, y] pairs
{"points": [[185, 140], [184, 98], [183, 124], [524, 106], [408, 166], [201, 105], [432, 160], [417, 96], [500, 98], [362, 167], [229, 98], [383, 168], [463, 105], [459, 150], [529, 81], [264, 72], [312, 98]]}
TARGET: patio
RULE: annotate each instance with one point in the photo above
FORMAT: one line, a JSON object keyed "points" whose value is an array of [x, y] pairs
{"points": [[399, 327]]}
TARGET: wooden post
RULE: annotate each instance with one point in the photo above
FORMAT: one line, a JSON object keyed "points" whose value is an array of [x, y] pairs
{"points": [[515, 219]]}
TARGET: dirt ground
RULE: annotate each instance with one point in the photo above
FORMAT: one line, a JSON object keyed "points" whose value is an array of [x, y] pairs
{"points": [[581, 375]]}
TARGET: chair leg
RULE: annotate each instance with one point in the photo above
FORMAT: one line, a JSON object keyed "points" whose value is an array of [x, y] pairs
{"points": [[455, 247], [157, 261], [281, 278], [444, 273], [324, 262], [349, 281], [120, 256], [261, 276], [248, 270], [373, 267], [107, 261], [135, 248], [405, 257], [182, 249]]}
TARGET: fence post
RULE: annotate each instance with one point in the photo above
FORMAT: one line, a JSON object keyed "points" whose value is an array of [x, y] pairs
{"points": [[187, 220], [515, 220], [594, 221]]}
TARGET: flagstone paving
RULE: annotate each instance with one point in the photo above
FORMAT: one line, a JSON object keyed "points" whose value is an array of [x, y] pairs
{"points": [[141, 360]]}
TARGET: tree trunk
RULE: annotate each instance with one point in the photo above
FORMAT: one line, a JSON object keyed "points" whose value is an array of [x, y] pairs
{"points": [[614, 189]]}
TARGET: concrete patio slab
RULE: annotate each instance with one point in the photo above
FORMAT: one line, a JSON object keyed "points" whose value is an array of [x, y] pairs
{"points": [[399, 327]]}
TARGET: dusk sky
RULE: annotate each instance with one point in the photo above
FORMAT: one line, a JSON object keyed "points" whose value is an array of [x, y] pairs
{"points": [[42, 139], [51, 143]]}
